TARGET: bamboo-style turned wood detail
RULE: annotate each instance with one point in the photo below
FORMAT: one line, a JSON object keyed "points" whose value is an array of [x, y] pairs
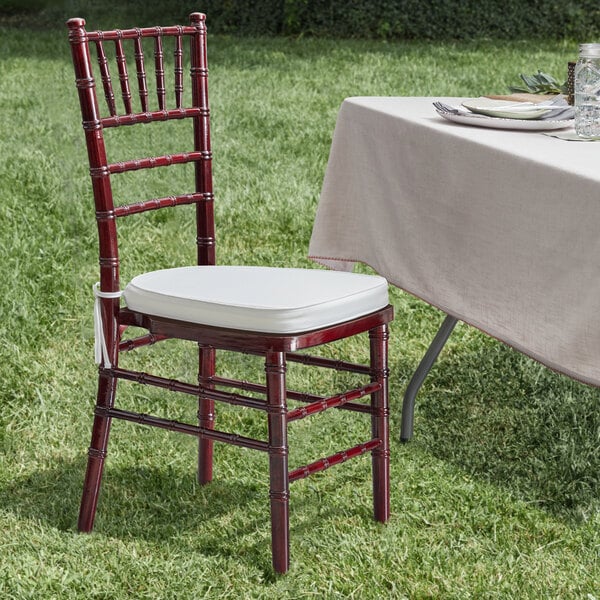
{"points": [[188, 388], [160, 72], [152, 116], [141, 73], [328, 363], [137, 35], [146, 49], [178, 72], [291, 394], [172, 425], [333, 402], [141, 341], [157, 161], [106, 80], [123, 76], [156, 203], [334, 459], [316, 404]]}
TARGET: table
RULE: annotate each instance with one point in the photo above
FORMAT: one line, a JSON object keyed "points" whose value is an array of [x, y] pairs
{"points": [[496, 228]]}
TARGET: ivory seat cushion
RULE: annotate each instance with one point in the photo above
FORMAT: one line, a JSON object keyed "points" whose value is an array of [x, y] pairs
{"points": [[265, 299]]}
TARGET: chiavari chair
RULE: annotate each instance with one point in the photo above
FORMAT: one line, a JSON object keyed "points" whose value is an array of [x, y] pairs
{"points": [[273, 312]]}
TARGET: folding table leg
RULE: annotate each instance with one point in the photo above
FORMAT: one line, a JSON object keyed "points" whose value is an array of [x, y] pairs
{"points": [[408, 406]]}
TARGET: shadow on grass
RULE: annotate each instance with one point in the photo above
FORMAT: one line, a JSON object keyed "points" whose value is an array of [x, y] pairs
{"points": [[136, 502], [226, 519], [508, 420], [159, 506]]}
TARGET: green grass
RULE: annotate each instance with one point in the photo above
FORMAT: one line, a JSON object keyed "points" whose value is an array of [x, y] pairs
{"points": [[498, 495]]}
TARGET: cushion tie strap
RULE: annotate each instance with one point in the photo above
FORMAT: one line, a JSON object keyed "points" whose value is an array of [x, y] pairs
{"points": [[100, 349]]}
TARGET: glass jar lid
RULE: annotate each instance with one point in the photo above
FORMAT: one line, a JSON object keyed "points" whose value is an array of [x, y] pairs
{"points": [[589, 50]]}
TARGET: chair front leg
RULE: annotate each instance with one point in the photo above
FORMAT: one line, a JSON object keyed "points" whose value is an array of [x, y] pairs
{"points": [[279, 493], [206, 413], [107, 386], [380, 423]]}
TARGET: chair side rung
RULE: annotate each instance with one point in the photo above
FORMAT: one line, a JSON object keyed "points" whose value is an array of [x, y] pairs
{"points": [[333, 402], [250, 386], [328, 363], [156, 161], [171, 425], [174, 385], [130, 209], [139, 342], [334, 459]]}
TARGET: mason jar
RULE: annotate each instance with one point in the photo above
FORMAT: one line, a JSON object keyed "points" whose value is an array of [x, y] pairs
{"points": [[587, 91]]}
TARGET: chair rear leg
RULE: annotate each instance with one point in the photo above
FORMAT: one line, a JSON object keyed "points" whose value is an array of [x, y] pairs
{"points": [[206, 414], [380, 423], [279, 491], [107, 386]]}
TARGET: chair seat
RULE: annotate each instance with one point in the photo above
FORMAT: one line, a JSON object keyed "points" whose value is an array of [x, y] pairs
{"points": [[263, 299]]}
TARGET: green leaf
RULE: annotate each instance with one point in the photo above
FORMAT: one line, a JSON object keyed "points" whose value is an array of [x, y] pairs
{"points": [[540, 83]]}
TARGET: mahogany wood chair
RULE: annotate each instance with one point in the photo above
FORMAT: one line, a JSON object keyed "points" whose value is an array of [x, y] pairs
{"points": [[274, 312]]}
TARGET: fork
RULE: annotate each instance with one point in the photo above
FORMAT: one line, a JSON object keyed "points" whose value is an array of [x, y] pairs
{"points": [[452, 110]]}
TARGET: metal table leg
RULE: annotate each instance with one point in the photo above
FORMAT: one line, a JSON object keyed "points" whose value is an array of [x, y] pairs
{"points": [[408, 406]]}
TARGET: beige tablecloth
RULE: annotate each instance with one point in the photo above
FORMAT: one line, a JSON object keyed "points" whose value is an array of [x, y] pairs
{"points": [[500, 229]]}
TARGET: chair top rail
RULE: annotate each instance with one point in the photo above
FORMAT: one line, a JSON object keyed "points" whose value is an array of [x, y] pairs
{"points": [[138, 32]]}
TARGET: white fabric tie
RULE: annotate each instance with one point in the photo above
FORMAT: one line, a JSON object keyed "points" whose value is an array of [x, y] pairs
{"points": [[100, 349]]}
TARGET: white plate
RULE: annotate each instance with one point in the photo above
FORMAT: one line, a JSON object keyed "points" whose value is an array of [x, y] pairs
{"points": [[506, 109], [498, 123]]}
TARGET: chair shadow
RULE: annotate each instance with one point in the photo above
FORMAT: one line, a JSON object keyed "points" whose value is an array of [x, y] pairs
{"points": [[164, 507], [144, 503], [508, 420]]}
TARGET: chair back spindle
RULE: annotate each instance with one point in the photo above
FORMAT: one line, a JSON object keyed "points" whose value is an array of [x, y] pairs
{"points": [[141, 73], [178, 53], [106, 81], [160, 72], [123, 76]]}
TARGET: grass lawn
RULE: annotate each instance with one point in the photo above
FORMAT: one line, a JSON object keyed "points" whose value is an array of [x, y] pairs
{"points": [[497, 497]]}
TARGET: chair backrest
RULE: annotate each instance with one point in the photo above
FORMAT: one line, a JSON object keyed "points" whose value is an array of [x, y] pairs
{"points": [[124, 50]]}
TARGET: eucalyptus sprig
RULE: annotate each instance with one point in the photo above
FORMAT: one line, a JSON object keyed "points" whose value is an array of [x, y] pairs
{"points": [[540, 83]]}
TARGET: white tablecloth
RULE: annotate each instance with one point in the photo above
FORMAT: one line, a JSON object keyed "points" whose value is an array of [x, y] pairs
{"points": [[500, 229]]}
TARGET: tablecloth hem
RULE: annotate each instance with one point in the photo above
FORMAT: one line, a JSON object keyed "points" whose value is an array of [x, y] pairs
{"points": [[514, 345]]}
